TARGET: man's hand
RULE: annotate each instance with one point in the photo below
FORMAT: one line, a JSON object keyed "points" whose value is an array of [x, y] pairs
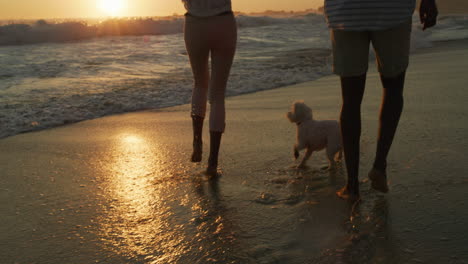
{"points": [[428, 13]]}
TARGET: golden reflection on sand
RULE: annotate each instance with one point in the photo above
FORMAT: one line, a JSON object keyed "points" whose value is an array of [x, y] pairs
{"points": [[132, 171], [136, 224]]}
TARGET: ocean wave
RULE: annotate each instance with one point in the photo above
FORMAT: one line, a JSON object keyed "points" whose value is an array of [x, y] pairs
{"points": [[25, 112], [45, 31]]}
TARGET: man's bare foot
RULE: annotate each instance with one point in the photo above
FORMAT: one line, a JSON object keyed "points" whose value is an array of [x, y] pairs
{"points": [[212, 171], [301, 166], [379, 180], [345, 194], [197, 151]]}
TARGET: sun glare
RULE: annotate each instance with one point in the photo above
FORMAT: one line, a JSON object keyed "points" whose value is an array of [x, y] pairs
{"points": [[112, 7]]}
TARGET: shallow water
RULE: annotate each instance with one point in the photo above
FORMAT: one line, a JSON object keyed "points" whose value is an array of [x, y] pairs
{"points": [[128, 195], [50, 84]]}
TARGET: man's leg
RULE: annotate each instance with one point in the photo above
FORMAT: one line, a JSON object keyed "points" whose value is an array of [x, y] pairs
{"points": [[352, 89], [392, 51], [390, 112], [350, 61]]}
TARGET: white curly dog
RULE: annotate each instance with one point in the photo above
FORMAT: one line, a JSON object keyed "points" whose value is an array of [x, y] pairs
{"points": [[315, 135]]}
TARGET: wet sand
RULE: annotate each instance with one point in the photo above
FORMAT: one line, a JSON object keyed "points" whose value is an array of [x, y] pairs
{"points": [[120, 189]]}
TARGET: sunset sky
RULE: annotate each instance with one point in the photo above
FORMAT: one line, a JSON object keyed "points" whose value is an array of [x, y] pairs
{"points": [[10, 9]]}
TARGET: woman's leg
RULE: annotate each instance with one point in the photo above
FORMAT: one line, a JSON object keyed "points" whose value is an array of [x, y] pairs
{"points": [[198, 52], [223, 47], [352, 92], [197, 126]]}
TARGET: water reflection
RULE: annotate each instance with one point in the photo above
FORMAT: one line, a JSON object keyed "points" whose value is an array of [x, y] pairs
{"points": [[371, 238], [134, 165], [137, 223], [156, 214], [215, 231]]}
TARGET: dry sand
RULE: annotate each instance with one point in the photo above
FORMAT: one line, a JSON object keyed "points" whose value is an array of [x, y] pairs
{"points": [[120, 189]]}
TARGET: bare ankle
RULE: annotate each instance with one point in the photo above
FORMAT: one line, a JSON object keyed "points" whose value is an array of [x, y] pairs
{"points": [[380, 166]]}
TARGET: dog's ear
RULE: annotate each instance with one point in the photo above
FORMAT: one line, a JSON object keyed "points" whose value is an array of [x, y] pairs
{"points": [[290, 116], [301, 111], [297, 105]]}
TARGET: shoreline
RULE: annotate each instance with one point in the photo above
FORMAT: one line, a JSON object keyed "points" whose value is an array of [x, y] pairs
{"points": [[436, 46]]}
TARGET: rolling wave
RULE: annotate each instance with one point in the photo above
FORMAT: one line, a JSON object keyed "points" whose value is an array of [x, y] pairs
{"points": [[45, 31]]}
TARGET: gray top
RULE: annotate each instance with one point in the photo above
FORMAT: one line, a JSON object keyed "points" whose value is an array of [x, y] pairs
{"points": [[362, 15], [206, 8]]}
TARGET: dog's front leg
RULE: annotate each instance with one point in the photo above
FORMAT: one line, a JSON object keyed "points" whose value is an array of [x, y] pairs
{"points": [[298, 147], [305, 158]]}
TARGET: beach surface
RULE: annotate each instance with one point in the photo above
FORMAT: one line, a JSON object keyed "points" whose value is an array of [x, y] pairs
{"points": [[120, 189]]}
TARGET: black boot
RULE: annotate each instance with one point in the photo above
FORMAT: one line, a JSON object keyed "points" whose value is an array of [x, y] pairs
{"points": [[215, 142], [197, 124]]}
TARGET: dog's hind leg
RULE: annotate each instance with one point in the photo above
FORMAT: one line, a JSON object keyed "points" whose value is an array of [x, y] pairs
{"points": [[339, 157], [306, 157], [331, 154]]}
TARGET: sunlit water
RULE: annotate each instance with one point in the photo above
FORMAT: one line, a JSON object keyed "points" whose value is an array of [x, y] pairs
{"points": [[50, 84], [130, 196], [135, 199]]}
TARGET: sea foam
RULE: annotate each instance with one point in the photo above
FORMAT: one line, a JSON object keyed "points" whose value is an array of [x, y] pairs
{"points": [[14, 33]]}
